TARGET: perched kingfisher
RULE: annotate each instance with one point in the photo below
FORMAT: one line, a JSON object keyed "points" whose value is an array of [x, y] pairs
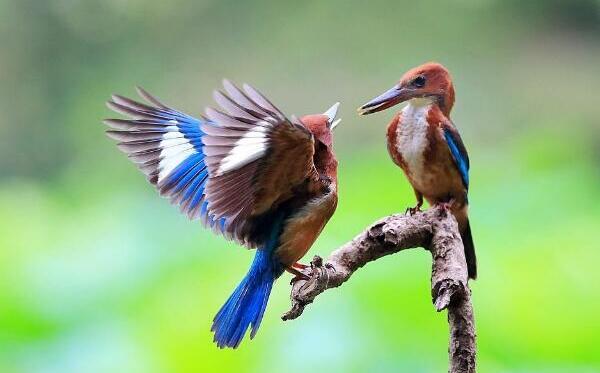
{"points": [[247, 172], [424, 142]]}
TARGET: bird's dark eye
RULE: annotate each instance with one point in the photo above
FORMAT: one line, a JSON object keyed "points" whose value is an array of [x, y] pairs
{"points": [[419, 81]]}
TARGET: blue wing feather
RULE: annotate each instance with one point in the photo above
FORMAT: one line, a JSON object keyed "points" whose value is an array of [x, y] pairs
{"points": [[209, 166], [167, 145], [459, 153]]}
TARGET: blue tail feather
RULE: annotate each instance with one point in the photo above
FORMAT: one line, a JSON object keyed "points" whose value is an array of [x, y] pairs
{"points": [[246, 306]]}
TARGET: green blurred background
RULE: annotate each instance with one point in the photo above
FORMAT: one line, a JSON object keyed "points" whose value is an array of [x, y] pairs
{"points": [[98, 274]]}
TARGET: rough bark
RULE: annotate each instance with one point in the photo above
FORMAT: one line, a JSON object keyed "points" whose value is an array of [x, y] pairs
{"points": [[435, 230]]}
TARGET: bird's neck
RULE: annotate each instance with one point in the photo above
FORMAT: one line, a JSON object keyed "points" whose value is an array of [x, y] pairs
{"points": [[421, 102], [330, 169], [326, 163], [423, 107], [446, 101], [417, 109]]}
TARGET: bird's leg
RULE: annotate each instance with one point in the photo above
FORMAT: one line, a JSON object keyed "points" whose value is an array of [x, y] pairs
{"points": [[447, 204], [297, 274], [417, 208], [299, 265]]}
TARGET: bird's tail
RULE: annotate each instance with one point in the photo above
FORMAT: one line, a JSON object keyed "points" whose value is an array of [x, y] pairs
{"points": [[469, 246], [246, 306]]}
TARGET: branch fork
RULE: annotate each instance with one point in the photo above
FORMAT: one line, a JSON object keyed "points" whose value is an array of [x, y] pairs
{"points": [[437, 231]]}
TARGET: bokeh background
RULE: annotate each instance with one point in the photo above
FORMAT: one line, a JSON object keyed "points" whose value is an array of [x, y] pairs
{"points": [[98, 274]]}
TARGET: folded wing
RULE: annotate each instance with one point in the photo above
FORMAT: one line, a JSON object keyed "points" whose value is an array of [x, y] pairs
{"points": [[459, 152]]}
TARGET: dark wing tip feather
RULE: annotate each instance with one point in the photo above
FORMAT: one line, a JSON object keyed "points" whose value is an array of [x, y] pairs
{"points": [[234, 108], [262, 101], [227, 83], [242, 100], [115, 135], [122, 109], [110, 104], [127, 102], [112, 123], [149, 98]]}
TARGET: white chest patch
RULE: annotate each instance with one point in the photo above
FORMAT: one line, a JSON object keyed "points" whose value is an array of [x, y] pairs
{"points": [[411, 139]]}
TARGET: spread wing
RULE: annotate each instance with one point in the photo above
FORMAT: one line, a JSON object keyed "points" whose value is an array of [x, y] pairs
{"points": [[166, 146], [459, 152], [235, 170], [257, 161]]}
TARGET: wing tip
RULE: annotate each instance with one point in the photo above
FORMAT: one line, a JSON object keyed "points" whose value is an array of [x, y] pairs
{"points": [[113, 134]]}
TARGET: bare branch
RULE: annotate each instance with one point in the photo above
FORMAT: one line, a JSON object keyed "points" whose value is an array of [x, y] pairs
{"points": [[437, 231]]}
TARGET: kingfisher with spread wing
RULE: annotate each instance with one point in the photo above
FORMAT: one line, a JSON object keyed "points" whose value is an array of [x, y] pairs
{"points": [[423, 141], [247, 172]]}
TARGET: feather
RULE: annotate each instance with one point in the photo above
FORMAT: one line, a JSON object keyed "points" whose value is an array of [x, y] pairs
{"points": [[232, 108], [459, 153], [151, 99], [241, 99], [262, 101]]}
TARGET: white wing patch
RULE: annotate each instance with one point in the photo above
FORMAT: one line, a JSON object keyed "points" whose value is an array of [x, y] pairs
{"points": [[251, 146], [175, 148]]}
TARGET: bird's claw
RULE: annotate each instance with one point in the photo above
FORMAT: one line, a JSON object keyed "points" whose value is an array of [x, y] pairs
{"points": [[412, 210], [299, 277], [297, 274], [447, 205], [317, 268], [299, 266]]}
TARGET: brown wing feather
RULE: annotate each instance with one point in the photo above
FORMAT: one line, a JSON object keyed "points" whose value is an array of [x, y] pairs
{"points": [[289, 164], [257, 160]]}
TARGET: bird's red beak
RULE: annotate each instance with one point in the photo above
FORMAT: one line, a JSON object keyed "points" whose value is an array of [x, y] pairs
{"points": [[393, 96]]}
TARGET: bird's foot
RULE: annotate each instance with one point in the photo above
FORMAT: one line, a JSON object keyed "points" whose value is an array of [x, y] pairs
{"points": [[448, 204], [413, 210], [300, 266], [297, 274]]}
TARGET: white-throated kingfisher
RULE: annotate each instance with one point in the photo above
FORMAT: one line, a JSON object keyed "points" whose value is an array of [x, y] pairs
{"points": [[246, 171], [424, 142]]}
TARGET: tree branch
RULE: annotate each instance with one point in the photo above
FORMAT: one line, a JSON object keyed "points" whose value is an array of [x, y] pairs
{"points": [[434, 229]]}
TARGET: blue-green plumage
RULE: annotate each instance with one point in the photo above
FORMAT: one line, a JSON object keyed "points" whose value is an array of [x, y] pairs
{"points": [[246, 306]]}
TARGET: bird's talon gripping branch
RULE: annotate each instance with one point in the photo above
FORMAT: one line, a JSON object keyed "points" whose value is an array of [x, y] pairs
{"points": [[316, 262], [434, 229], [300, 266], [412, 210], [448, 205], [298, 278], [297, 275]]}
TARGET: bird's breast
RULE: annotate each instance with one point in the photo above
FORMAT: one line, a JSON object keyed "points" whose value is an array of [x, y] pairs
{"points": [[304, 226], [413, 140], [424, 156]]}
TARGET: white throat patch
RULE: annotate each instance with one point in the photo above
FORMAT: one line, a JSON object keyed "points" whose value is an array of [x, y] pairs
{"points": [[412, 136]]}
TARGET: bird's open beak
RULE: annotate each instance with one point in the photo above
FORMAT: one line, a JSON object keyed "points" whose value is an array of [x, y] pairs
{"points": [[394, 96], [331, 113]]}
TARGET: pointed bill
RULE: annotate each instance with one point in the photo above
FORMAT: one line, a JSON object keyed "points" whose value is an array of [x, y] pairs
{"points": [[335, 123], [331, 113]]}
